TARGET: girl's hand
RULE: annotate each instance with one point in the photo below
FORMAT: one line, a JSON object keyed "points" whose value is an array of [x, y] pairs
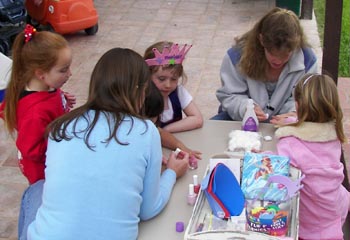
{"points": [[256, 150], [71, 99], [195, 153], [284, 119]]}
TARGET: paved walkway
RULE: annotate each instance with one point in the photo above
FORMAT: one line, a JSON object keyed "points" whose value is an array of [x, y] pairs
{"points": [[210, 25]]}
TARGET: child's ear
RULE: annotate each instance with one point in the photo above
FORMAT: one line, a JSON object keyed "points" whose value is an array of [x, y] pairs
{"points": [[39, 74]]}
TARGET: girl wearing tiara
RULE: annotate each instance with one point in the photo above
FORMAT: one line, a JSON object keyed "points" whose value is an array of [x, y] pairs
{"points": [[41, 65], [313, 143], [153, 108], [165, 63]]}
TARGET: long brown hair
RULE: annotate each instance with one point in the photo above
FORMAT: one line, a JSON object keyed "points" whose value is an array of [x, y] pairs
{"points": [[318, 101], [280, 30], [118, 86], [41, 52]]}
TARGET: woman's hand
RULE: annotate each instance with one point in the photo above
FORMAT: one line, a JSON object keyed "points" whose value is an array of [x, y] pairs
{"points": [[164, 160], [179, 165], [260, 114]]}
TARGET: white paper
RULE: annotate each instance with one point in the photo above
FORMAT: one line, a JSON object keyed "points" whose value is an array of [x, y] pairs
{"points": [[234, 164], [5, 70]]}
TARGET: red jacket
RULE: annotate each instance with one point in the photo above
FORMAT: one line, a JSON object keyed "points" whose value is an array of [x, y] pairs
{"points": [[34, 112]]}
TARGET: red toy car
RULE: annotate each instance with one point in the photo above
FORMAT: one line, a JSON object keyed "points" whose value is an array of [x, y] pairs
{"points": [[64, 16]]}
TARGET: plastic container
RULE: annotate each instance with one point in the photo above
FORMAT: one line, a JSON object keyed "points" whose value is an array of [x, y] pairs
{"points": [[250, 121], [204, 226], [268, 217]]}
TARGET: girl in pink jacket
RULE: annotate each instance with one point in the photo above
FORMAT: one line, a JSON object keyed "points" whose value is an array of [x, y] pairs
{"points": [[313, 144]]}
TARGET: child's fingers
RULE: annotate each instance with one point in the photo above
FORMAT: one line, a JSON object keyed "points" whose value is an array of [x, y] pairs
{"points": [[197, 154]]}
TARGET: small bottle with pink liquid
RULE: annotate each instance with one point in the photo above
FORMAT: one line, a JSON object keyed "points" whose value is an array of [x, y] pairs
{"points": [[193, 161], [192, 196]]}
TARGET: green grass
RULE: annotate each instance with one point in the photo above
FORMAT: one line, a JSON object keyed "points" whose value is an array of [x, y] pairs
{"points": [[344, 52]]}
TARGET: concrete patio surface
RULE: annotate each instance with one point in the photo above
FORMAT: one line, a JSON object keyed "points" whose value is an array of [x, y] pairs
{"points": [[210, 25]]}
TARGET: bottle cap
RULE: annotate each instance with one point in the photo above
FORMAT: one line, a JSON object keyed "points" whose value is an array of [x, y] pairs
{"points": [[180, 226], [190, 189], [177, 151], [250, 102], [195, 180]]}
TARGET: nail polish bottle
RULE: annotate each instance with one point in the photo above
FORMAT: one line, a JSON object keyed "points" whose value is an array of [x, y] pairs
{"points": [[193, 162], [196, 185], [179, 153], [250, 121], [191, 197]]}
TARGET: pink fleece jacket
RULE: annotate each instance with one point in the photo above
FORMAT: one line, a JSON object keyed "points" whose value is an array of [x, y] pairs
{"points": [[315, 149]]}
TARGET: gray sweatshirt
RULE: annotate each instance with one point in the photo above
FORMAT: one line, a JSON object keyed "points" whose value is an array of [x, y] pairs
{"points": [[236, 89]]}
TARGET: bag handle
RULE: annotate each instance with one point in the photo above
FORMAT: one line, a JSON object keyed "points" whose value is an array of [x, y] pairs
{"points": [[293, 187]]}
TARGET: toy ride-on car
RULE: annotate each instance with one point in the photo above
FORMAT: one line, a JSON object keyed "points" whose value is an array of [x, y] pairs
{"points": [[64, 16], [12, 21]]}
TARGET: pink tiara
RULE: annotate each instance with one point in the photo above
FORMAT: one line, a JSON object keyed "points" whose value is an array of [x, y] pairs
{"points": [[170, 55]]}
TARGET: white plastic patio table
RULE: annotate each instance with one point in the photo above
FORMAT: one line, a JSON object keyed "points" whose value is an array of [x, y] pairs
{"points": [[211, 139]]}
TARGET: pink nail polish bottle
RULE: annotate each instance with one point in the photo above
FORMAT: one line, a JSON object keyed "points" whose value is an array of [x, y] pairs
{"points": [[193, 162], [197, 186], [191, 197]]}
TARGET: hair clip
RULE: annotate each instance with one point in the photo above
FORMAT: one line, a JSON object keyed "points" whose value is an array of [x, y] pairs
{"points": [[29, 32], [309, 77], [170, 55]]}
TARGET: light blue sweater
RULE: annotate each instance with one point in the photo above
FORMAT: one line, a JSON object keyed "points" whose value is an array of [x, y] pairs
{"points": [[103, 194]]}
